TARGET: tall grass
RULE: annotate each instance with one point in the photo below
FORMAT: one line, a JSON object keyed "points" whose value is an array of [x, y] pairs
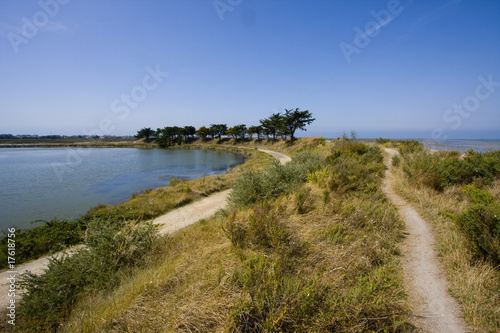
{"points": [[311, 258], [458, 194], [313, 264]]}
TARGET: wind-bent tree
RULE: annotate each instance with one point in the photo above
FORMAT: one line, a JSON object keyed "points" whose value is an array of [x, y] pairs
{"points": [[189, 131], [145, 133], [218, 130], [203, 132], [237, 131], [296, 119], [255, 130], [273, 124]]}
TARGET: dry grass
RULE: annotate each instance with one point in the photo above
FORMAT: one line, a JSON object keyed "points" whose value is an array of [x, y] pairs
{"points": [[310, 260], [186, 289], [475, 284]]}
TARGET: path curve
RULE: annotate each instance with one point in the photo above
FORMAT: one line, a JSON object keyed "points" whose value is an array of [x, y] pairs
{"points": [[434, 309], [204, 208], [169, 222], [281, 157]]}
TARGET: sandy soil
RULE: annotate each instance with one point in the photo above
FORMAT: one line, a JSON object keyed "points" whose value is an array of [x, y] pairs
{"points": [[281, 157], [433, 308], [189, 214], [170, 222]]}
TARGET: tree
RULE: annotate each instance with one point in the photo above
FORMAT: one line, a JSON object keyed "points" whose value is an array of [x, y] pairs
{"points": [[203, 132], [169, 135], [189, 131], [237, 131], [218, 130], [145, 133], [255, 130], [273, 124], [296, 119]]}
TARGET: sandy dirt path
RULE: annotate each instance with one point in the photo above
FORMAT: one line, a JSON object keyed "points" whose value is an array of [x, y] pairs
{"points": [[201, 209], [170, 222], [434, 309]]}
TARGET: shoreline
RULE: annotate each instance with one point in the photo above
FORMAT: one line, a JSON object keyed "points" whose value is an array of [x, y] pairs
{"points": [[178, 194], [235, 150]]}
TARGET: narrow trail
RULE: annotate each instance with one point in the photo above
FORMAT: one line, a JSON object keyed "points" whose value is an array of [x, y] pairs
{"points": [[433, 308], [169, 222]]}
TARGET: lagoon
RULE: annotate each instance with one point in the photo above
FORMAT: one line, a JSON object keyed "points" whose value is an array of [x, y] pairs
{"points": [[64, 183]]}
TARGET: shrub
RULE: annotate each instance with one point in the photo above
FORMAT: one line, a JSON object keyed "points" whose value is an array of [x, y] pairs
{"points": [[274, 180], [396, 160], [355, 167], [440, 171], [52, 236], [111, 250], [481, 223], [382, 141], [410, 147]]}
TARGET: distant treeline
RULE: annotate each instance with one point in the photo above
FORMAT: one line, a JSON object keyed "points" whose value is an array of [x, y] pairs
{"points": [[277, 125], [54, 137]]}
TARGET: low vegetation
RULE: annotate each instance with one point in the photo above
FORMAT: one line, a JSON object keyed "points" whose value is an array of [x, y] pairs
{"points": [[315, 255], [312, 245], [459, 194], [112, 251], [56, 235], [52, 236]]}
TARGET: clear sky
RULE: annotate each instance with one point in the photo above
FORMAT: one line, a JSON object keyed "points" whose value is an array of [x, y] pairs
{"points": [[408, 68]]}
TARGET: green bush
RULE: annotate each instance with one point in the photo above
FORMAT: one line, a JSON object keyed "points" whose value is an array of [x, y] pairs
{"points": [[410, 147], [396, 160], [442, 170], [274, 180], [382, 141], [111, 251], [355, 167], [52, 236], [481, 223]]}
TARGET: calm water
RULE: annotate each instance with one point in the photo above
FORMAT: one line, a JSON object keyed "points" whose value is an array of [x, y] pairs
{"points": [[462, 145], [43, 183]]}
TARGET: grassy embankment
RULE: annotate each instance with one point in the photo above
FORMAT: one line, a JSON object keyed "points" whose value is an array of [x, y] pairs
{"points": [[56, 235], [460, 196], [310, 246]]}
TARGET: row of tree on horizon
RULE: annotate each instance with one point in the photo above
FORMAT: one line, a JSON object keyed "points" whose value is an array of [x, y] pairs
{"points": [[277, 125]]}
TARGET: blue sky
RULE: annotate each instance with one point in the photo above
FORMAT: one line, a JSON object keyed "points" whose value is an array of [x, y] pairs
{"points": [[400, 69]]}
